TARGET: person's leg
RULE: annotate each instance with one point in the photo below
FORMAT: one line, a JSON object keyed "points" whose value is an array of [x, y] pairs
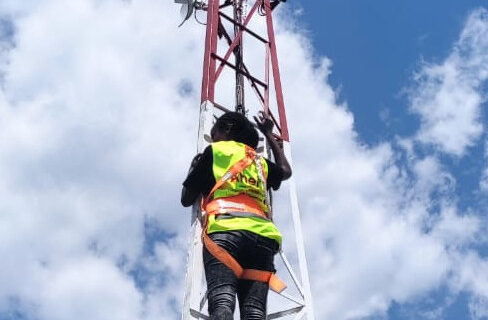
{"points": [[221, 281], [253, 295]]}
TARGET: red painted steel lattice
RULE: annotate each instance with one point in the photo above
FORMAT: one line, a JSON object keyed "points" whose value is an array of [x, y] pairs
{"points": [[214, 63]]}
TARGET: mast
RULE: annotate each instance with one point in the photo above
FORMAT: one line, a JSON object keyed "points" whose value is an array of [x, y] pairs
{"points": [[224, 15], [238, 53]]}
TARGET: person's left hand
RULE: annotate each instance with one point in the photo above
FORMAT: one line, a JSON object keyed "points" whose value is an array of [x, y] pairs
{"points": [[264, 123]]}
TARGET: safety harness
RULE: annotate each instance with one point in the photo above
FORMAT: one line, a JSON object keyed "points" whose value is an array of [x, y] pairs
{"points": [[244, 204]]}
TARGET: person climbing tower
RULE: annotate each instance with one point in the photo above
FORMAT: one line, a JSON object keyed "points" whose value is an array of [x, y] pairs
{"points": [[239, 238]]}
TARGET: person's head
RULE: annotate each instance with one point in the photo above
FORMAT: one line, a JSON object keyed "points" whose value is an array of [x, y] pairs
{"points": [[235, 126]]}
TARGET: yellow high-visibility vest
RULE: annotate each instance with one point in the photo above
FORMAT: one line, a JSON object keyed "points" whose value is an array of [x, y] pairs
{"points": [[248, 182]]}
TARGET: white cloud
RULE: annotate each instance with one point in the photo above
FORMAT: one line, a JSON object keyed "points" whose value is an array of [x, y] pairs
{"points": [[454, 229], [471, 275], [89, 107], [478, 309], [447, 97], [91, 289], [95, 136]]}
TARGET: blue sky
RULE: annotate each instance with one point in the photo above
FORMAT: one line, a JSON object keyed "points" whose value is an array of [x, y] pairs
{"points": [[384, 38], [98, 121], [375, 48], [390, 40]]}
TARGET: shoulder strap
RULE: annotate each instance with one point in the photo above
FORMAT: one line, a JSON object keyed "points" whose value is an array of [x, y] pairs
{"points": [[261, 176]]}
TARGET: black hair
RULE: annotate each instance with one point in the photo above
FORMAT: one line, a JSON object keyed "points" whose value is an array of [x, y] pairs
{"points": [[238, 128]]}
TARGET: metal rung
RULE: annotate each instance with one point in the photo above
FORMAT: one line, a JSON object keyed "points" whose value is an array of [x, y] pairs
{"points": [[203, 300], [245, 74], [284, 295], [198, 315], [254, 34], [288, 312]]}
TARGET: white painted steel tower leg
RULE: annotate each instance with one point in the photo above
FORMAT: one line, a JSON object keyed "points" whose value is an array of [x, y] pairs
{"points": [[194, 290], [302, 260]]}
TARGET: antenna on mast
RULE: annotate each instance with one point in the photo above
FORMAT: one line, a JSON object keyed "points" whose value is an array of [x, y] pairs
{"points": [[187, 8]]}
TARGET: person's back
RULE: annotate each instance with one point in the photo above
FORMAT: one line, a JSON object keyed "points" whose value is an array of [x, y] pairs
{"points": [[240, 241]]}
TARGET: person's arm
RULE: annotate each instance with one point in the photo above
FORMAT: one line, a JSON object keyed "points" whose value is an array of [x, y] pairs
{"points": [[265, 125], [188, 195]]}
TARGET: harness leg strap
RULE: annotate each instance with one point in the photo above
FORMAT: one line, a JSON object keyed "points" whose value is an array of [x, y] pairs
{"points": [[228, 260]]}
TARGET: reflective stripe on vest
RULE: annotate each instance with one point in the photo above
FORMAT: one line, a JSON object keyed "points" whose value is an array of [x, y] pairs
{"points": [[239, 203]]}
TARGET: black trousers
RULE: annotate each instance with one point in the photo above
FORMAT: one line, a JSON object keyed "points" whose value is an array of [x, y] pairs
{"points": [[252, 252]]}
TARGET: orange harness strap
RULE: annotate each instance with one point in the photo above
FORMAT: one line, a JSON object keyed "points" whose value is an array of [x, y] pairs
{"points": [[238, 203], [228, 260]]}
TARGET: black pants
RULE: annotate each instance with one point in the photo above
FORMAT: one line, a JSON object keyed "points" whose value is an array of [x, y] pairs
{"points": [[252, 252]]}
